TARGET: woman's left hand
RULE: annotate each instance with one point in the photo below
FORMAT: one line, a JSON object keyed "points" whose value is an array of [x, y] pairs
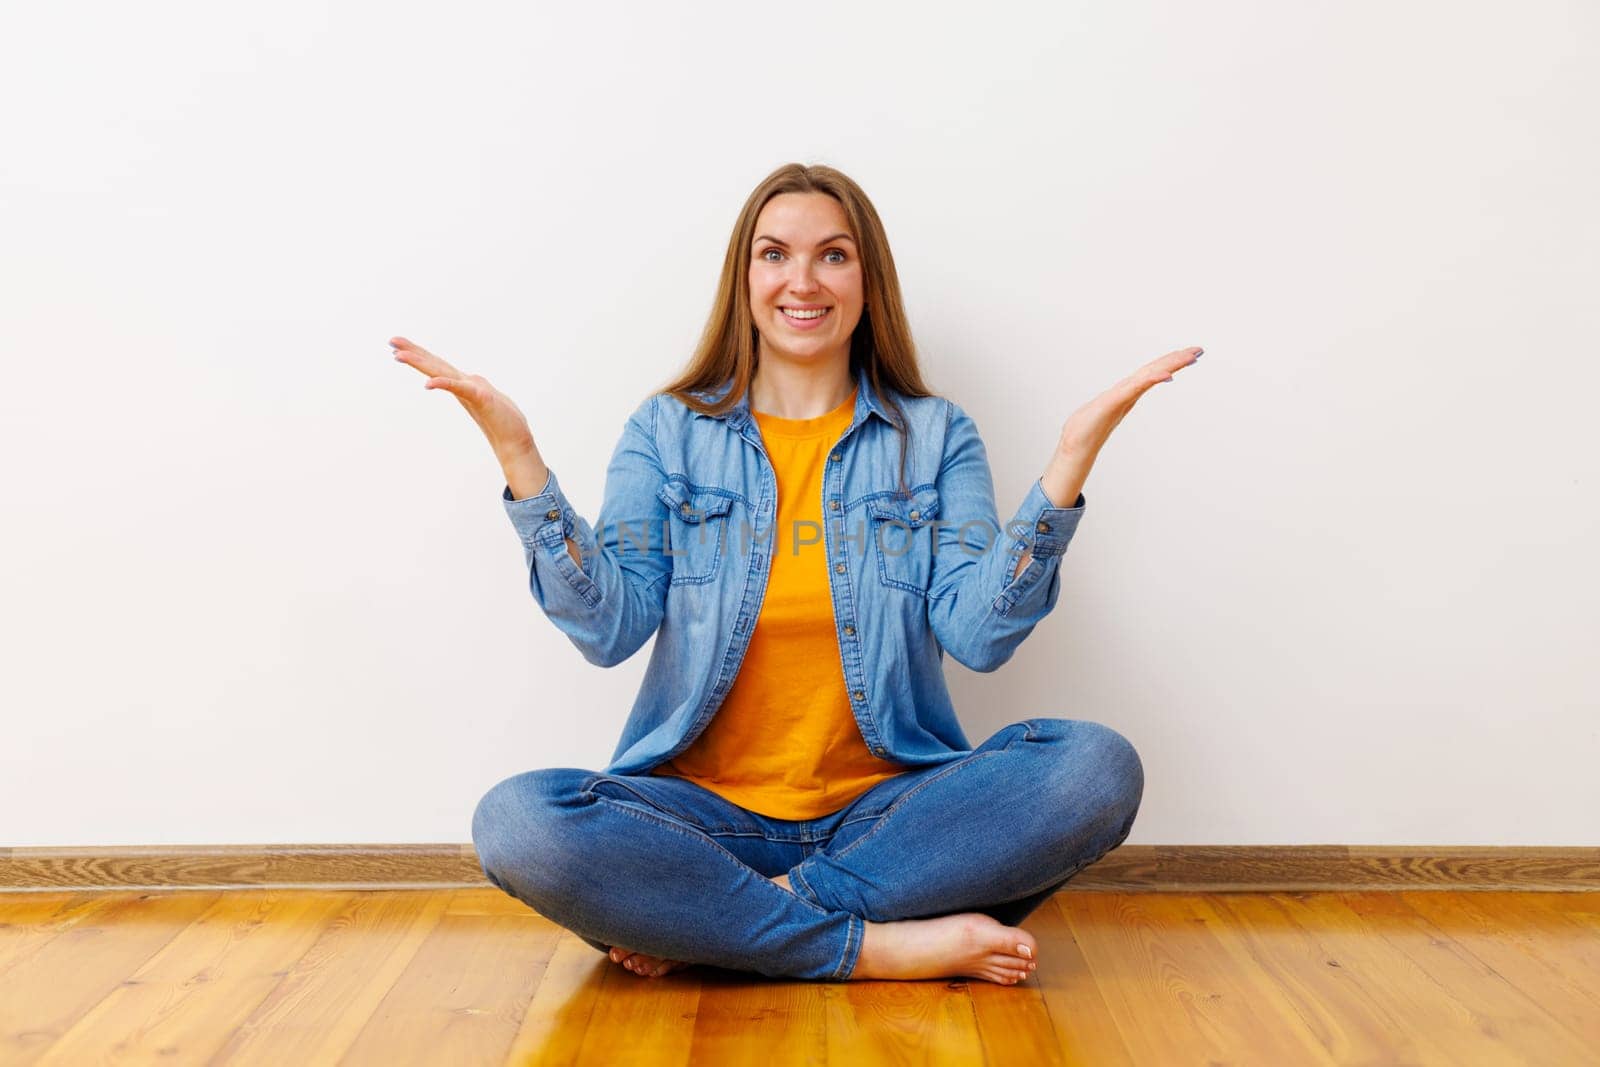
{"points": [[1089, 427]]}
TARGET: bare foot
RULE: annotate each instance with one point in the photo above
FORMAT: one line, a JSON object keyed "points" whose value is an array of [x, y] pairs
{"points": [[970, 944], [655, 966], [643, 965]]}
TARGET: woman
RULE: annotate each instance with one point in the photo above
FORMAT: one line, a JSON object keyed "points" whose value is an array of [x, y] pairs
{"points": [[806, 529]]}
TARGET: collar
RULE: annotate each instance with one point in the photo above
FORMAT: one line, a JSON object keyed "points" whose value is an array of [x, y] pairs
{"points": [[738, 416]]}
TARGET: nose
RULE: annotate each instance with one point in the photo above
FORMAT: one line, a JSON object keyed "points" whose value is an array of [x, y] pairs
{"points": [[803, 277]]}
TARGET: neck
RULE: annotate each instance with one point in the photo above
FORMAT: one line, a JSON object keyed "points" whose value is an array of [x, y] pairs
{"points": [[793, 390]]}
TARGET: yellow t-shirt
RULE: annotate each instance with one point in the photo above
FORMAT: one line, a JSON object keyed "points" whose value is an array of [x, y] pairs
{"points": [[785, 743]]}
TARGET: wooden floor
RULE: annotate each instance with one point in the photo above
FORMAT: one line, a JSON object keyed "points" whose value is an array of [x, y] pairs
{"points": [[471, 976]]}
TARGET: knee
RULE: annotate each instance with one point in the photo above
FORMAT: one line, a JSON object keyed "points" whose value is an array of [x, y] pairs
{"points": [[1121, 776], [517, 828], [1102, 761], [1122, 764]]}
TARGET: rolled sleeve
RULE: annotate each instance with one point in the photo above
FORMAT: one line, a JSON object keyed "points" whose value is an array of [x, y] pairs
{"points": [[979, 612], [543, 523], [1050, 528], [1043, 530], [534, 516], [612, 599]]}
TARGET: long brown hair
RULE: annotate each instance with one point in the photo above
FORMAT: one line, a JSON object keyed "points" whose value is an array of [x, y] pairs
{"points": [[881, 342]]}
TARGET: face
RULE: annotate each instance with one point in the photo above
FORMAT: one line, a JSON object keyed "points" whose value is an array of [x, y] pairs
{"points": [[805, 278]]}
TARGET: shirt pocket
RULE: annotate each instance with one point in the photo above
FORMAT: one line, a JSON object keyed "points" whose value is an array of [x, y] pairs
{"points": [[698, 529], [903, 535]]}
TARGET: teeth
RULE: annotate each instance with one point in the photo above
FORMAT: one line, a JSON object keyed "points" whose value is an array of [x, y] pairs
{"points": [[805, 314]]}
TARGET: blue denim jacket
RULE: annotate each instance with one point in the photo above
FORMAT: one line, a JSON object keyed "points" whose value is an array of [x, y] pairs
{"points": [[684, 546]]}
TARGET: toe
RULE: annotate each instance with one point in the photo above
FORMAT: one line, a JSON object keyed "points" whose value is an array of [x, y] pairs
{"points": [[643, 964], [1011, 941], [1010, 967]]}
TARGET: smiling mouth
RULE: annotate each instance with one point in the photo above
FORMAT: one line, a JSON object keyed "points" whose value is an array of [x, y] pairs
{"points": [[805, 316]]}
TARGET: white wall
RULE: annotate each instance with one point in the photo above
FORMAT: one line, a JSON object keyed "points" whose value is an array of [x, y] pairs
{"points": [[1338, 581]]}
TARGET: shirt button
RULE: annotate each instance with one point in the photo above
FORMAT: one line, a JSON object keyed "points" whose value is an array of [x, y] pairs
{"points": [[915, 515], [879, 750], [833, 505], [683, 508], [834, 457], [553, 513], [849, 631], [839, 567], [1043, 527], [859, 695]]}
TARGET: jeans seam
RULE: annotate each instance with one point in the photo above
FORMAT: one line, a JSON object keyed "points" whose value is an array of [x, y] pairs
{"points": [[852, 940], [847, 961], [796, 876], [724, 853], [719, 830], [913, 791], [616, 779]]}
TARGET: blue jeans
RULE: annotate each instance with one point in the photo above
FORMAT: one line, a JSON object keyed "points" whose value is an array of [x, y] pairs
{"points": [[665, 867]]}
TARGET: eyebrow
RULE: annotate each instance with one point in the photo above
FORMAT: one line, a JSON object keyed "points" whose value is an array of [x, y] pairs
{"points": [[825, 240]]}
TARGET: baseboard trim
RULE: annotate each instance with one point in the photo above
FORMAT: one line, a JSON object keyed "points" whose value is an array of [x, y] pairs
{"points": [[1131, 868], [1295, 868], [241, 867]]}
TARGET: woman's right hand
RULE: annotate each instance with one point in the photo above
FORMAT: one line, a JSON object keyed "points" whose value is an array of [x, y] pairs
{"points": [[499, 419]]}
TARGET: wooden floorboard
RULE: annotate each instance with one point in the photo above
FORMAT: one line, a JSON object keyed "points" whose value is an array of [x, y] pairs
{"points": [[470, 976], [183, 1002], [316, 1013], [466, 990]]}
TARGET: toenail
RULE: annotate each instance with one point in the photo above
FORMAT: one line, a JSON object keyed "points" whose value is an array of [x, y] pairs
{"points": [[1025, 951]]}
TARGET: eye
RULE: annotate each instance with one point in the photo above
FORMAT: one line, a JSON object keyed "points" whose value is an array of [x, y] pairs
{"points": [[766, 253]]}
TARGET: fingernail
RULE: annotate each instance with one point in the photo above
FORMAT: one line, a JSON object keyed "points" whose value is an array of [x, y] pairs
{"points": [[1200, 353], [1025, 950]]}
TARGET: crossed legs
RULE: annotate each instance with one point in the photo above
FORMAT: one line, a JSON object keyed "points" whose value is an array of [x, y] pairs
{"points": [[933, 883]]}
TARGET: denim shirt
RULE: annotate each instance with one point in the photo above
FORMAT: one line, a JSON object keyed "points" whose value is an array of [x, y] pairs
{"points": [[684, 546]]}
